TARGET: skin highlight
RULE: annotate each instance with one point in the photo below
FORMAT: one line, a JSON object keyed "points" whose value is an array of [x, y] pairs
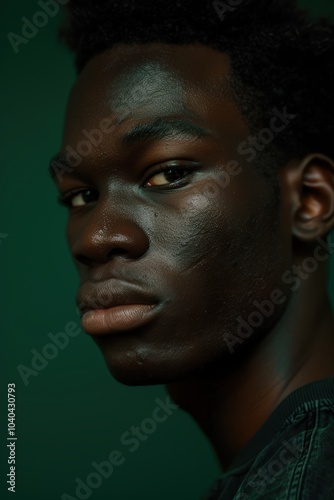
{"points": [[205, 250]]}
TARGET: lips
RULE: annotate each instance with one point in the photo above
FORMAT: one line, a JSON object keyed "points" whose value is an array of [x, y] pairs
{"points": [[114, 306]]}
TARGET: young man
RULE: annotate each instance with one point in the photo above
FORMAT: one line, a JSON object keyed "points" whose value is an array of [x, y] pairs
{"points": [[197, 166]]}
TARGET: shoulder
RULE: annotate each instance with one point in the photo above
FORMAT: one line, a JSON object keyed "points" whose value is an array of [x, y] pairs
{"points": [[299, 463]]}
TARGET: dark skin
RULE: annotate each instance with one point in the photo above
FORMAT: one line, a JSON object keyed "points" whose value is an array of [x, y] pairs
{"points": [[206, 250]]}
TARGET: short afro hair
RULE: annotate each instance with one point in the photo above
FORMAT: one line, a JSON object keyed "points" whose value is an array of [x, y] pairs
{"points": [[280, 57]]}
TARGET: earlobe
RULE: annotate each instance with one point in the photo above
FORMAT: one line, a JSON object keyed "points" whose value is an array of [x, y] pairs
{"points": [[314, 197]]}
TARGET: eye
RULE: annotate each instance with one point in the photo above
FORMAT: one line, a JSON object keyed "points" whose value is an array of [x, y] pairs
{"points": [[168, 175], [78, 198]]}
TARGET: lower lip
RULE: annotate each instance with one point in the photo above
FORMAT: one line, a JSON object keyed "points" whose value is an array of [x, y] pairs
{"points": [[117, 318]]}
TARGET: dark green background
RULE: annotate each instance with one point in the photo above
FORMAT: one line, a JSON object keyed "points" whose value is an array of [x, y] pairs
{"points": [[73, 412]]}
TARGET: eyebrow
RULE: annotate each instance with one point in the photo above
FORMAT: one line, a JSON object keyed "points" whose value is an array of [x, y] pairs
{"points": [[159, 129], [164, 129]]}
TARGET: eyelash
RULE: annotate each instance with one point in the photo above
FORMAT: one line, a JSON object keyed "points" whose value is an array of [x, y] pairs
{"points": [[65, 199], [188, 169]]}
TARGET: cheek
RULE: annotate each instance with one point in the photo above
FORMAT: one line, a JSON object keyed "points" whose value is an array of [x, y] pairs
{"points": [[225, 253], [218, 226], [188, 225]]}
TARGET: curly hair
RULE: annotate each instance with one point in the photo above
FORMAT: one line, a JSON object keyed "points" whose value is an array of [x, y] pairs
{"points": [[280, 57]]}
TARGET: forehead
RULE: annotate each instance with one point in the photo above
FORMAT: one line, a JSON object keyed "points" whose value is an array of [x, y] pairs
{"points": [[154, 80]]}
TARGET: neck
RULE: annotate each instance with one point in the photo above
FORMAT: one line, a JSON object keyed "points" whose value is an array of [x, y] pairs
{"points": [[231, 406]]}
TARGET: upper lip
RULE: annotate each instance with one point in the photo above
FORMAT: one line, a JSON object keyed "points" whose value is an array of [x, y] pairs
{"points": [[110, 293]]}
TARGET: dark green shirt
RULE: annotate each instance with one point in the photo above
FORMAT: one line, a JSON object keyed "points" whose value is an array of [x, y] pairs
{"points": [[291, 456]]}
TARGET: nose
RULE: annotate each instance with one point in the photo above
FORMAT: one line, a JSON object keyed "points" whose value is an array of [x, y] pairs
{"points": [[105, 234]]}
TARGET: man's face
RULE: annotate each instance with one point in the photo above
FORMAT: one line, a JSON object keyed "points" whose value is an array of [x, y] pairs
{"points": [[204, 238]]}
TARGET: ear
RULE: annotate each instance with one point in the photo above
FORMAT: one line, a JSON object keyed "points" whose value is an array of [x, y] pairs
{"points": [[310, 185]]}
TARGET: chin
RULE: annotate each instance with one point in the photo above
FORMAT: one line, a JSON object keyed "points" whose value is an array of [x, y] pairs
{"points": [[133, 374], [130, 369], [134, 362]]}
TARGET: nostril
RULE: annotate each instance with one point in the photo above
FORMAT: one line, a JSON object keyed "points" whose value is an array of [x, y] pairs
{"points": [[117, 251], [82, 259], [87, 261]]}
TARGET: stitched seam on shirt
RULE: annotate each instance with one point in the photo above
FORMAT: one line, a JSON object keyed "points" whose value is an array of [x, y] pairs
{"points": [[302, 469], [304, 409]]}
